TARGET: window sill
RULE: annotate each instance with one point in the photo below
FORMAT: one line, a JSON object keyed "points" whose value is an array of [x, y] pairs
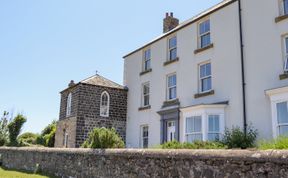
{"points": [[171, 61], [283, 76], [280, 18], [171, 103], [203, 49], [145, 72], [144, 108], [199, 95]]}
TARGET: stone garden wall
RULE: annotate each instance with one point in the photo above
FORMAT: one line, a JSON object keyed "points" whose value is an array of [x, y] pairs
{"points": [[148, 163]]}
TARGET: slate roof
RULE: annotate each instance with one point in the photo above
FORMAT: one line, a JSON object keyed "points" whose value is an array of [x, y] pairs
{"points": [[101, 81]]}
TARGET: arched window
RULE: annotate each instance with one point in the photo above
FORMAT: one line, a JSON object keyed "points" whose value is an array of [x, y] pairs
{"points": [[69, 103], [104, 104]]}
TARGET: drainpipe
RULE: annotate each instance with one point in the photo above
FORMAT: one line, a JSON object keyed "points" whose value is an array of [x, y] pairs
{"points": [[242, 68]]}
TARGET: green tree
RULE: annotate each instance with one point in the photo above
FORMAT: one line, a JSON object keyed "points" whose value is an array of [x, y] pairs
{"points": [[47, 136], [103, 138], [4, 132], [14, 128]]}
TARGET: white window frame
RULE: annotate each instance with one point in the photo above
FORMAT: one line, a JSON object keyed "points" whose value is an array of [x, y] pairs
{"points": [[277, 95], [213, 132], [142, 137], [285, 42], [170, 87], [172, 48], [145, 60], [69, 105], [204, 34], [103, 107], [65, 139], [145, 95], [278, 125], [201, 90], [204, 111], [193, 133]]}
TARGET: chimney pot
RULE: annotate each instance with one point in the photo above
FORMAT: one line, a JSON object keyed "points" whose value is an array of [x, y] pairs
{"points": [[167, 14], [71, 84], [171, 14]]}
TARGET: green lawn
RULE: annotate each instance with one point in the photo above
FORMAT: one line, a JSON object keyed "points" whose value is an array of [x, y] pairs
{"points": [[17, 174]]}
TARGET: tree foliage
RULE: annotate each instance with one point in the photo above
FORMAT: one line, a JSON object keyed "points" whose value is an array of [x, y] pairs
{"points": [[14, 128], [28, 139], [4, 132], [47, 136], [103, 138]]}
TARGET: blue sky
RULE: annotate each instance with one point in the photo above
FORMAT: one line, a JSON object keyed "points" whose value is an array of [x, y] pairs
{"points": [[45, 44]]}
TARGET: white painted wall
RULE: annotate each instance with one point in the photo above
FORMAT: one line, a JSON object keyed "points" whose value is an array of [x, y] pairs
{"points": [[263, 65], [263, 59]]}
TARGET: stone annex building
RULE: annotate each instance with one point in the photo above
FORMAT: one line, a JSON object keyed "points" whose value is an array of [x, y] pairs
{"points": [[93, 102]]}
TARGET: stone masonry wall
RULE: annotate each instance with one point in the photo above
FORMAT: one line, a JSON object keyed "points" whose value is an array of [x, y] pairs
{"points": [[69, 125], [89, 111], [131, 163]]}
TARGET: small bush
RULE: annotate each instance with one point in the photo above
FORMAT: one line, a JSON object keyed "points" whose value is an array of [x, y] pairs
{"points": [[195, 145], [236, 138], [28, 138], [103, 138], [278, 143], [47, 136]]}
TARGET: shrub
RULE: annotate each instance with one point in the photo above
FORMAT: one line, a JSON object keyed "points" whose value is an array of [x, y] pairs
{"points": [[278, 143], [4, 132], [28, 138], [103, 138], [14, 128], [47, 136], [236, 138], [195, 145]]}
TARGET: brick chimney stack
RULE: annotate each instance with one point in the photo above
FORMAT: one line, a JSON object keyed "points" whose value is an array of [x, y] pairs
{"points": [[169, 22]]}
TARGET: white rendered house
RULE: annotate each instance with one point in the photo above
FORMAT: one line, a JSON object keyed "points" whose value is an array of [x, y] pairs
{"points": [[221, 68]]}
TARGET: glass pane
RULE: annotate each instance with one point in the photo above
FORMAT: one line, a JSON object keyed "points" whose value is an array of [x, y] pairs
{"points": [[204, 27], [146, 89], [283, 130], [213, 123], [282, 113], [173, 54], [172, 42], [285, 7], [206, 84], [193, 124], [146, 100], [172, 93], [213, 136], [145, 132], [208, 69], [172, 80], [202, 71], [205, 40], [147, 64], [286, 63], [145, 142], [193, 137], [147, 54]]}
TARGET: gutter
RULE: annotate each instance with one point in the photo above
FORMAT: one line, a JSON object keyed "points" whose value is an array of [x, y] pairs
{"points": [[242, 68]]}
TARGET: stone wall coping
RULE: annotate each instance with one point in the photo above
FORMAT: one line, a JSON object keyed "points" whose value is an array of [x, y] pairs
{"points": [[276, 156]]}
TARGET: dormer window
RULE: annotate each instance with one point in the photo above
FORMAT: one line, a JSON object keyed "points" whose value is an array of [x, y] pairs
{"points": [[69, 104], [104, 104]]}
